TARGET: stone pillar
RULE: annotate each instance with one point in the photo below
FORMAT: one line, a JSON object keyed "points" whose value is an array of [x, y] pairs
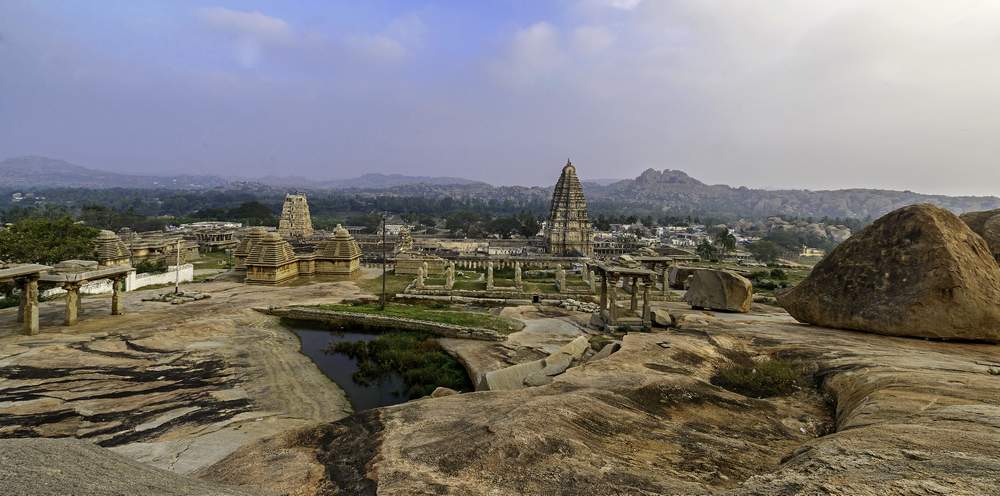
{"points": [[561, 280], [72, 303], [420, 277], [489, 275], [666, 281], [29, 295], [117, 299], [634, 304], [20, 304], [449, 281], [612, 305], [646, 320], [517, 276], [604, 292]]}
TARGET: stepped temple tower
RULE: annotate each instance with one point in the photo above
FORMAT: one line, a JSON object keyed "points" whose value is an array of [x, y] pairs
{"points": [[568, 232], [295, 221]]}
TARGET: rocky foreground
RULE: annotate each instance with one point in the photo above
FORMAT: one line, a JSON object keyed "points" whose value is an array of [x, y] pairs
{"points": [[888, 416]]}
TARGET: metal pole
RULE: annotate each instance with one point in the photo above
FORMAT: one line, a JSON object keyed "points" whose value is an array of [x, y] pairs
{"points": [[383, 262]]}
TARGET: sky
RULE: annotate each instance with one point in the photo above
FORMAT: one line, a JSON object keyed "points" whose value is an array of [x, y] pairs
{"points": [[770, 93]]}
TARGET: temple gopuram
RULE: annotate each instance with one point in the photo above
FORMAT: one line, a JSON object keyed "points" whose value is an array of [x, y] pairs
{"points": [[295, 221], [568, 232]]}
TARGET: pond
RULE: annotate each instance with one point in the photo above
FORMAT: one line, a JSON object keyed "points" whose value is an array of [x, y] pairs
{"points": [[317, 339]]}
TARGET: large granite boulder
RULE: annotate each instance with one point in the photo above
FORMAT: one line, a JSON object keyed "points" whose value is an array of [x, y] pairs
{"points": [[918, 271], [719, 290], [987, 225], [678, 276]]}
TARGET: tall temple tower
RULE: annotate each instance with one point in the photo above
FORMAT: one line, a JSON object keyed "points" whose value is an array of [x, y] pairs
{"points": [[295, 221], [568, 232]]}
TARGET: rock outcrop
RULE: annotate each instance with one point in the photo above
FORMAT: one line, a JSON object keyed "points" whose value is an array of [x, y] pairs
{"points": [[678, 276], [918, 271], [987, 225], [535, 373], [719, 290]]}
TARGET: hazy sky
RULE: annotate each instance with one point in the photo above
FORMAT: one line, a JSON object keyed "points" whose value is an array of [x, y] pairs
{"points": [[817, 94]]}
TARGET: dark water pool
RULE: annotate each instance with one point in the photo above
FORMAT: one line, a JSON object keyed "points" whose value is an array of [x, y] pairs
{"points": [[339, 367]]}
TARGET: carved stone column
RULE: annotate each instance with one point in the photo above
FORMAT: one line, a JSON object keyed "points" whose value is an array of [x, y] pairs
{"points": [[29, 296], [72, 303], [612, 297], [646, 316], [489, 275], [634, 303], [117, 298]]}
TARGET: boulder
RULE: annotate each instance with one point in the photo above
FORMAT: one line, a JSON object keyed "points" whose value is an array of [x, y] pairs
{"points": [[662, 318], [442, 391], [678, 276], [918, 271], [719, 290], [987, 225], [606, 351]]}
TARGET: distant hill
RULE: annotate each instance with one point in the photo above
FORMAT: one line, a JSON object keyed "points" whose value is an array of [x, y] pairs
{"points": [[370, 181], [42, 172], [676, 191]]}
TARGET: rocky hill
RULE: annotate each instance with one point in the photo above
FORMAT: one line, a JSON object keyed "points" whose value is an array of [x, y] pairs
{"points": [[43, 172], [675, 190]]}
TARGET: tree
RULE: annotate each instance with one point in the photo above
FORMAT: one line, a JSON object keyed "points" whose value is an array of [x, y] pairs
{"points": [[764, 250], [725, 241], [47, 241], [707, 251]]}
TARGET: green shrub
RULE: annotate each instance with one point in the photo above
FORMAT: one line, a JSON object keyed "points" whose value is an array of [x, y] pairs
{"points": [[417, 357], [771, 377]]}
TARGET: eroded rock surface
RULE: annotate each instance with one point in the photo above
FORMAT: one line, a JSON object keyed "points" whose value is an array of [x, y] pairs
{"points": [[987, 225], [905, 417], [179, 387], [918, 271], [719, 290]]}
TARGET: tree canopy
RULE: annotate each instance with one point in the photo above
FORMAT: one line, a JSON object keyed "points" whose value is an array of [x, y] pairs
{"points": [[46, 241]]}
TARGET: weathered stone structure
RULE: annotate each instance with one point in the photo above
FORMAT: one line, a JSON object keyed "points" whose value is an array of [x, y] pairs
{"points": [[612, 316], [295, 221], [338, 255], [247, 242], [111, 250], [568, 231], [271, 261], [25, 276], [71, 275]]}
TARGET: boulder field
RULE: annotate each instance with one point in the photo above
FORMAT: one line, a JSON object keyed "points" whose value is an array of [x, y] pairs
{"points": [[918, 271]]}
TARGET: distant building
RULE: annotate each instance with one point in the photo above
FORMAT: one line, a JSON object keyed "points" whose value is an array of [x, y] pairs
{"points": [[295, 221], [568, 231]]}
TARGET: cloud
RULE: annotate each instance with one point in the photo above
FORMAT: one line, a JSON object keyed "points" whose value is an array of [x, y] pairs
{"points": [[533, 55], [592, 39], [248, 24], [401, 37]]}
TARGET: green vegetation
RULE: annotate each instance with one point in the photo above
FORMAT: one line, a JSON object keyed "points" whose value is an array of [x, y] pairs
{"points": [[9, 301], [417, 357], [151, 267], [431, 314], [771, 377], [46, 241], [213, 260], [394, 284]]}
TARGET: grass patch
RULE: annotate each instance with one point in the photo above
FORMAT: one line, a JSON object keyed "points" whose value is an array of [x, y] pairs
{"points": [[417, 357], [212, 260], [394, 284], [420, 312], [764, 379], [470, 285]]}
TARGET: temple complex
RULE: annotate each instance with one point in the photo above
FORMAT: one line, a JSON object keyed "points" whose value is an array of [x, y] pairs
{"points": [[111, 250], [245, 246], [295, 221], [568, 232], [271, 261]]}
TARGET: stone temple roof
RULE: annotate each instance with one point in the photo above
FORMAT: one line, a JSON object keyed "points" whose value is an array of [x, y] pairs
{"points": [[110, 247], [271, 251], [251, 238], [341, 246], [568, 202]]}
